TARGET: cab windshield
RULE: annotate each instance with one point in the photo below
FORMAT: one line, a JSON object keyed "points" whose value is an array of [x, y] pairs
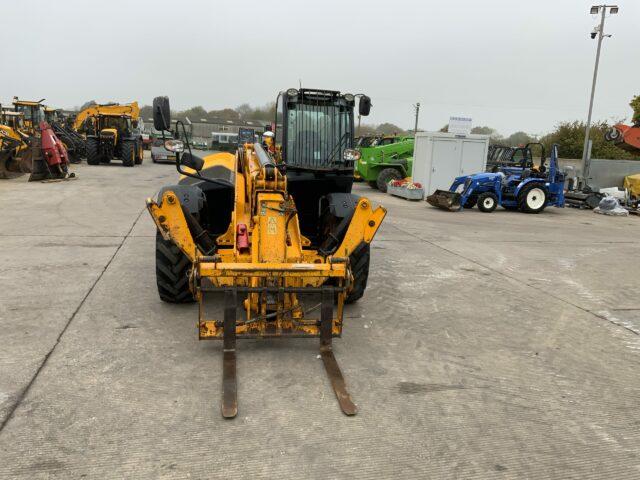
{"points": [[317, 134], [32, 113]]}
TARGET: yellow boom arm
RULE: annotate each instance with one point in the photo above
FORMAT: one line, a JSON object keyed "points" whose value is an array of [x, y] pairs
{"points": [[130, 109]]}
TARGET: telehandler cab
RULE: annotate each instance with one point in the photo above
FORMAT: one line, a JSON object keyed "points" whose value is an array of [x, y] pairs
{"points": [[275, 230]]}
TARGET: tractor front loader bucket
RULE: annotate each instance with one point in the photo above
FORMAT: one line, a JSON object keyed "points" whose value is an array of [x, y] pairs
{"points": [[445, 200]]}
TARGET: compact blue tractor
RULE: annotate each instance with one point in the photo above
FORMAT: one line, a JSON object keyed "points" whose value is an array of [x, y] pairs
{"points": [[529, 190]]}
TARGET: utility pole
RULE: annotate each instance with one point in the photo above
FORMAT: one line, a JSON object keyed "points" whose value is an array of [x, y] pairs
{"points": [[417, 107], [599, 31]]}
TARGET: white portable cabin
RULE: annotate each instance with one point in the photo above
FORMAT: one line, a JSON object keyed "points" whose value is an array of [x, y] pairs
{"points": [[440, 157]]}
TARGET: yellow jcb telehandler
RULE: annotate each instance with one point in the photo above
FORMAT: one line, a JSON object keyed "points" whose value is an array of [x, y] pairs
{"points": [[272, 229], [111, 132]]}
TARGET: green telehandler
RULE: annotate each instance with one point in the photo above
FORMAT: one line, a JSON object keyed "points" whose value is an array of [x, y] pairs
{"points": [[384, 158]]}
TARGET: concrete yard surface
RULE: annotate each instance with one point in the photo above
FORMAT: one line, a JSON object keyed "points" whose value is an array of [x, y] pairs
{"points": [[487, 346]]}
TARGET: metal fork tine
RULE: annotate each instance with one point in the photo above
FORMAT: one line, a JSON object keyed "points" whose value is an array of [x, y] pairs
{"points": [[229, 379], [328, 359]]}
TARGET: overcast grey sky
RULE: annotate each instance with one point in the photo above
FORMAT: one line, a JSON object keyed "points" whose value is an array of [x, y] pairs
{"points": [[512, 65]]}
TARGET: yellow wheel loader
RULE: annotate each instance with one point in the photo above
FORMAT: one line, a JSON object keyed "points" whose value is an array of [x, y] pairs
{"points": [[15, 154], [111, 132], [271, 236], [12, 150], [33, 112]]}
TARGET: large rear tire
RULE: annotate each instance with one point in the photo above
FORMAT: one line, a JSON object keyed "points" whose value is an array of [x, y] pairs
{"points": [[385, 176], [533, 198], [93, 155], [172, 272], [128, 153], [359, 260]]}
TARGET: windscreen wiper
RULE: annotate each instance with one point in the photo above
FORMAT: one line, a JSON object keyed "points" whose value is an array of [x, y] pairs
{"points": [[336, 149]]}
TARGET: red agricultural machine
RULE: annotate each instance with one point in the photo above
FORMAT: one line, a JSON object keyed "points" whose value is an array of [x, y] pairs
{"points": [[50, 157], [626, 137]]}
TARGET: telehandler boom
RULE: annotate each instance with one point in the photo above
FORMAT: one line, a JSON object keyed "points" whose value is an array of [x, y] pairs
{"points": [[274, 228]]}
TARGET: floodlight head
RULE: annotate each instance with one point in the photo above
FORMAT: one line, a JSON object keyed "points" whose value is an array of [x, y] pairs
{"points": [[594, 10], [613, 10]]}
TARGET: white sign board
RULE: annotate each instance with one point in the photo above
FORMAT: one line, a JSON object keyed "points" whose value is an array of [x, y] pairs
{"points": [[460, 125]]}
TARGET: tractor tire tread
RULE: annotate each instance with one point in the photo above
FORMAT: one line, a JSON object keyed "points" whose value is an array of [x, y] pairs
{"points": [[139, 154], [93, 155], [172, 272], [128, 153], [360, 268], [384, 176]]}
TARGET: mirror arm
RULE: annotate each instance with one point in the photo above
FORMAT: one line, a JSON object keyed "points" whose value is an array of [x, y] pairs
{"points": [[197, 174]]}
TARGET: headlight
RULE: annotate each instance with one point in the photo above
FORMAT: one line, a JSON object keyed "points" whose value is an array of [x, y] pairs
{"points": [[292, 92], [351, 155], [349, 97], [174, 146]]}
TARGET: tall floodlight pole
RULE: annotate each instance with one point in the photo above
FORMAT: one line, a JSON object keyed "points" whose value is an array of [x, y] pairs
{"points": [[417, 107], [599, 32]]}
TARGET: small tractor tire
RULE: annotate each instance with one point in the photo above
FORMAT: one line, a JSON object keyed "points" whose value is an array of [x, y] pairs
{"points": [[128, 153], [385, 176], [612, 135], [93, 155], [359, 261], [533, 198], [487, 202], [172, 272]]}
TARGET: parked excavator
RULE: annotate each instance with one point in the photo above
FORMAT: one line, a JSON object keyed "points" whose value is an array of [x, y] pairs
{"points": [[111, 132], [274, 228]]}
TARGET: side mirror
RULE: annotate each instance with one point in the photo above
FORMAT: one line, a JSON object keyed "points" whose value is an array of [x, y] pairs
{"points": [[191, 161], [364, 107], [161, 113]]}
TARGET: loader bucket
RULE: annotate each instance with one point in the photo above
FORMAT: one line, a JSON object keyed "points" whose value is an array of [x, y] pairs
{"points": [[445, 200], [12, 167]]}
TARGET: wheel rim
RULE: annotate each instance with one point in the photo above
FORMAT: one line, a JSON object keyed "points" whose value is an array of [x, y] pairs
{"points": [[488, 202], [535, 198]]}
